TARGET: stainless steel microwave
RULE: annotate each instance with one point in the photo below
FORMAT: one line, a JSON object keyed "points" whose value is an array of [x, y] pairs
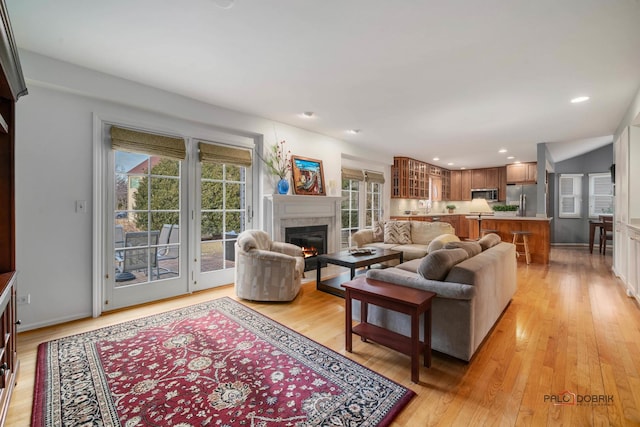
{"points": [[490, 194]]}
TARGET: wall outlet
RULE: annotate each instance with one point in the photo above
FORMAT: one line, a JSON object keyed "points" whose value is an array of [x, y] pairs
{"points": [[24, 299]]}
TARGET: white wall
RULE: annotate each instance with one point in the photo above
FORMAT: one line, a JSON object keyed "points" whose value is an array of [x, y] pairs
{"points": [[54, 158]]}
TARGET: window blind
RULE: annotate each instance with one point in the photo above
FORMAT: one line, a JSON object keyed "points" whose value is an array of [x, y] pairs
{"points": [[354, 174], [147, 143], [215, 153], [371, 176], [569, 195]]}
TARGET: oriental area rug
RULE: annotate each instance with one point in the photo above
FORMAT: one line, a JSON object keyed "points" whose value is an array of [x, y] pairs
{"points": [[218, 363]]}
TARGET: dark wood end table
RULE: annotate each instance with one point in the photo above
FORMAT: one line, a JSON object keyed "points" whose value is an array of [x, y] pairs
{"points": [[403, 299], [353, 262]]}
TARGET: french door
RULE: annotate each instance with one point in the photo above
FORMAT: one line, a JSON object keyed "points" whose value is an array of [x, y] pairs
{"points": [[172, 223], [148, 251]]}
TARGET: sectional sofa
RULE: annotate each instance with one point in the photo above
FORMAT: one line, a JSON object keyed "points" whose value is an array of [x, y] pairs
{"points": [[414, 238], [474, 283]]}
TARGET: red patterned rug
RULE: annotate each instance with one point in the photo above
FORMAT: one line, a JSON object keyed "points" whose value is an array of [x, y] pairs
{"points": [[218, 363]]}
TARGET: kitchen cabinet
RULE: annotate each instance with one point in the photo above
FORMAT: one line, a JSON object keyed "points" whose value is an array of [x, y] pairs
{"points": [[435, 190], [502, 184], [413, 179], [478, 178], [522, 173], [465, 184], [492, 180], [455, 185], [410, 179]]}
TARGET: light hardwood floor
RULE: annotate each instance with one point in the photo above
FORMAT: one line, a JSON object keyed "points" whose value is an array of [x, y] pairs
{"points": [[569, 328]]}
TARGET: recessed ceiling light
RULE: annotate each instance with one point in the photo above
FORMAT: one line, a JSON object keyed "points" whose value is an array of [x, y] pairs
{"points": [[435, 159], [579, 99], [449, 164], [510, 158], [502, 150], [307, 114], [224, 4], [462, 167], [517, 162], [354, 131]]}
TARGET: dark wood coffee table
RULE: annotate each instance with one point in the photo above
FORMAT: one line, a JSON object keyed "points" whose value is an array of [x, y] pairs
{"points": [[402, 299], [353, 262]]}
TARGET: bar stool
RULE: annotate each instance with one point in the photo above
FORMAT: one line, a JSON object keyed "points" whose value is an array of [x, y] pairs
{"points": [[524, 242], [487, 231]]}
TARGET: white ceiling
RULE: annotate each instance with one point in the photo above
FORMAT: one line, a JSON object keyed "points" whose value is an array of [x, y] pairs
{"points": [[457, 79]]}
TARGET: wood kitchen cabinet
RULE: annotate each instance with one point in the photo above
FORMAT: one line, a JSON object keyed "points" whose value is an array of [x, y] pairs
{"points": [[455, 185], [492, 177], [410, 179], [12, 86], [465, 185], [478, 178], [435, 191], [502, 184], [522, 173]]}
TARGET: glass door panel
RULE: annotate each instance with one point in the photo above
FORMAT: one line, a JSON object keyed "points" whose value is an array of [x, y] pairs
{"points": [[147, 239], [223, 215]]}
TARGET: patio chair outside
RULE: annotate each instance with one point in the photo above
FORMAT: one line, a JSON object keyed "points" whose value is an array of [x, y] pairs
{"points": [[142, 257]]}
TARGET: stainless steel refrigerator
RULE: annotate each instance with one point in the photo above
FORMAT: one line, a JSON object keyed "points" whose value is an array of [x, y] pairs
{"points": [[525, 196]]}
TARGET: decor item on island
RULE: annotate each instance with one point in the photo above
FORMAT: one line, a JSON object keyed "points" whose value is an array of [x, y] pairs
{"points": [[505, 210], [278, 162], [308, 176], [479, 206], [214, 363], [451, 208]]}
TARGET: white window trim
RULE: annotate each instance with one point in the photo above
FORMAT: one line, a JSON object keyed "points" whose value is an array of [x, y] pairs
{"points": [[592, 195], [576, 194]]}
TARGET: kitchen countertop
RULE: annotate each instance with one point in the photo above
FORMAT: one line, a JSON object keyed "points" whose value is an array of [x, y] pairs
{"points": [[511, 218], [429, 215]]}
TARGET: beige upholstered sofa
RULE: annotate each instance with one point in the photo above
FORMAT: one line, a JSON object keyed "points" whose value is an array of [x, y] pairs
{"points": [[473, 289], [267, 270], [414, 238]]}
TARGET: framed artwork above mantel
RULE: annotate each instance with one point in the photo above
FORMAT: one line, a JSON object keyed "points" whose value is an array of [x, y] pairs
{"points": [[308, 176]]}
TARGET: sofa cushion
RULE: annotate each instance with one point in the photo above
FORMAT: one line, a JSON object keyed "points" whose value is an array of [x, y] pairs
{"points": [[423, 232], [441, 240], [436, 265], [398, 232], [411, 266], [381, 245], [489, 241], [472, 248], [378, 231], [411, 251]]}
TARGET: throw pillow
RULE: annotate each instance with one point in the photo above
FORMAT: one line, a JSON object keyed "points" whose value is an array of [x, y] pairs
{"points": [[489, 240], [378, 231], [398, 232], [440, 241], [436, 265], [472, 248]]}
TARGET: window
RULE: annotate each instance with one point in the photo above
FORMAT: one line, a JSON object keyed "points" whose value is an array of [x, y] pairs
{"points": [[361, 201], [373, 203], [350, 210], [373, 210], [600, 194], [569, 195]]}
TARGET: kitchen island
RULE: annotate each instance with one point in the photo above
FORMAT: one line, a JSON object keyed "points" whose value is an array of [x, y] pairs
{"points": [[539, 240]]}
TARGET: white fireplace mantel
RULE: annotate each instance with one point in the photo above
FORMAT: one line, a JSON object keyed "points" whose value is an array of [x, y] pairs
{"points": [[283, 211]]}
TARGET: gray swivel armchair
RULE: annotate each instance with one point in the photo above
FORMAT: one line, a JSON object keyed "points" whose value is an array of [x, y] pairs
{"points": [[267, 270]]}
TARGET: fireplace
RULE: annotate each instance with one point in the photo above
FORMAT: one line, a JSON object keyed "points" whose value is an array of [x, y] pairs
{"points": [[312, 239]]}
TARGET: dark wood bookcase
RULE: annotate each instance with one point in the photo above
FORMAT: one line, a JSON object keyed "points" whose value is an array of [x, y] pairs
{"points": [[12, 87]]}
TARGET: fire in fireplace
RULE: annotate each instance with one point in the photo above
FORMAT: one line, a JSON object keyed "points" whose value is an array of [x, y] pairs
{"points": [[312, 239]]}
